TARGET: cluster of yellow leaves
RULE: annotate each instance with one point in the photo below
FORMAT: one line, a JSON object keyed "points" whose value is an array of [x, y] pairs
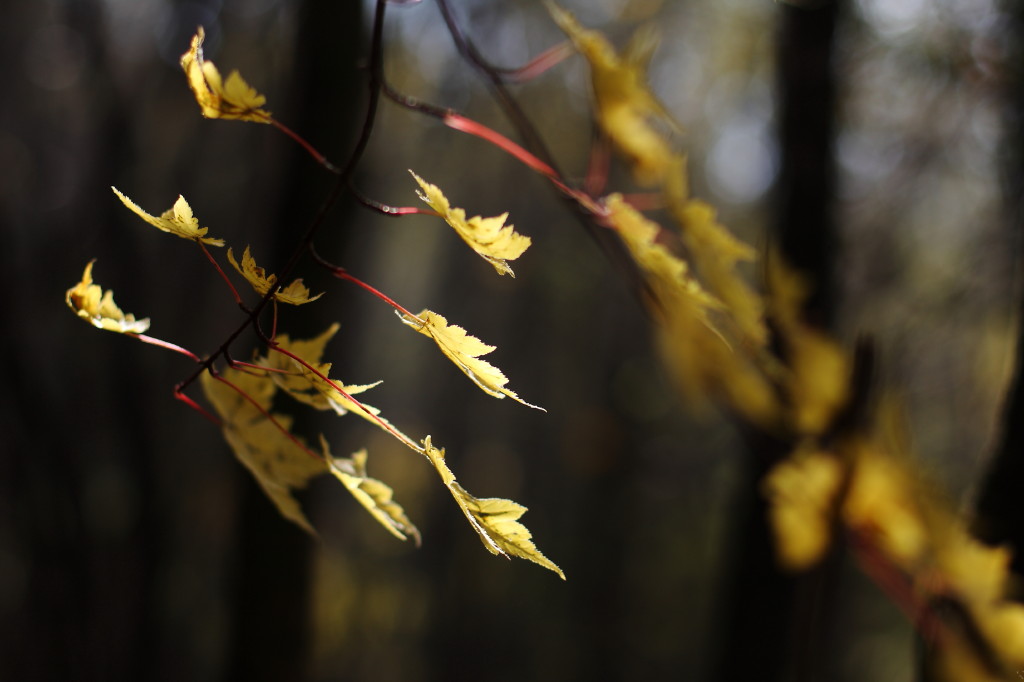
{"points": [[310, 387], [97, 307], [869, 491], [465, 351], [713, 328], [262, 440], [712, 321], [495, 242], [701, 353], [280, 462], [230, 99], [295, 293], [177, 220], [494, 519]]}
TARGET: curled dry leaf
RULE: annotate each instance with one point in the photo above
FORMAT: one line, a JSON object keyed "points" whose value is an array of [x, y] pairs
{"points": [[374, 495], [491, 238], [178, 220], [295, 293], [495, 520], [230, 99], [97, 307], [465, 351]]}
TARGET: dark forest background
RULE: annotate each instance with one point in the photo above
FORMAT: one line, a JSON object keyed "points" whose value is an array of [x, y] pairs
{"points": [[877, 141]]}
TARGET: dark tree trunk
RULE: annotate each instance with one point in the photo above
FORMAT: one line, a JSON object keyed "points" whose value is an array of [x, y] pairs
{"points": [[271, 629], [1000, 506], [773, 618]]}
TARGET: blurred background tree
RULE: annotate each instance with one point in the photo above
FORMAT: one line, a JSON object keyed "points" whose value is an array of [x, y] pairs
{"points": [[132, 545]]}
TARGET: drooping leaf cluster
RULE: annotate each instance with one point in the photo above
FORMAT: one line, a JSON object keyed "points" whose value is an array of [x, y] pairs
{"points": [[242, 394], [754, 354]]}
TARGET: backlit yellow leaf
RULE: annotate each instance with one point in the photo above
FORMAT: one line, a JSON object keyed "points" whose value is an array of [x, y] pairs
{"points": [[625, 105], [820, 370], [374, 495], [491, 238], [802, 491], [294, 294], [279, 464], [97, 307], [465, 351], [177, 220], [303, 384], [306, 386], [495, 520], [882, 505], [716, 252], [231, 99], [705, 363]]}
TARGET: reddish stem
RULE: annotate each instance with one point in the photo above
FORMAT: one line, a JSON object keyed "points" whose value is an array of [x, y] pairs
{"points": [[647, 201], [341, 391], [342, 273], [320, 158], [166, 344], [248, 365], [386, 209], [224, 275], [597, 166], [288, 434], [466, 125], [273, 321], [550, 57], [178, 395]]}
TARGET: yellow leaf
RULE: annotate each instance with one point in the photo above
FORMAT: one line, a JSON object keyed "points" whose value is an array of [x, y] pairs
{"points": [[278, 463], [716, 253], [303, 384], [802, 491], [177, 220], [465, 351], [231, 99], [97, 307], [625, 105], [374, 495], [495, 520], [294, 294], [307, 387], [705, 363], [820, 371], [881, 504], [491, 238]]}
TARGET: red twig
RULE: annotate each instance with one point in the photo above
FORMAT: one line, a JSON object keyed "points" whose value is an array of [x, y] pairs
{"points": [[166, 344], [342, 273], [550, 57], [320, 158], [224, 275], [342, 392], [288, 434], [178, 395]]}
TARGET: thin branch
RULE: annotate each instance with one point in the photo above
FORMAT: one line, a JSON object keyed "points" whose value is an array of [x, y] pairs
{"points": [[166, 344], [220, 270], [320, 158]]}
